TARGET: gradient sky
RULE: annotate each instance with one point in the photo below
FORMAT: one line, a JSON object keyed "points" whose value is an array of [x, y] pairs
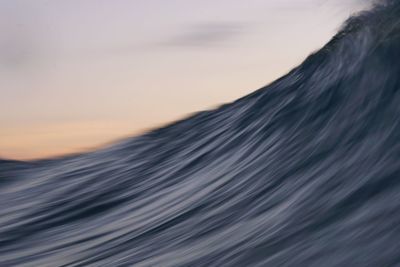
{"points": [[75, 74]]}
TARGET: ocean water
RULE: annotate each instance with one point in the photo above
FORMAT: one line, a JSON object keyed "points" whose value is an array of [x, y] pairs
{"points": [[302, 172]]}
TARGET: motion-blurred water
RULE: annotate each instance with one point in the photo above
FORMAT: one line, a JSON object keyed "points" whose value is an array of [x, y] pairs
{"points": [[303, 172]]}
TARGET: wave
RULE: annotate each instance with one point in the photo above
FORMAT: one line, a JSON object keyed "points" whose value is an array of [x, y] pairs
{"points": [[303, 172]]}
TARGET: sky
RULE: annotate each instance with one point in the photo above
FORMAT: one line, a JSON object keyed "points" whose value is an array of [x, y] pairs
{"points": [[78, 74]]}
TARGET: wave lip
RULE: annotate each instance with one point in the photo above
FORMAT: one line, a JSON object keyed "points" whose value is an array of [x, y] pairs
{"points": [[303, 172]]}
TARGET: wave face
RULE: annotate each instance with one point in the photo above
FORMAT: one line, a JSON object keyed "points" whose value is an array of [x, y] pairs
{"points": [[303, 172]]}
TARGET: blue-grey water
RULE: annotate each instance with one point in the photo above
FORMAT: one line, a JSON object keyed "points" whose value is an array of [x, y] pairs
{"points": [[303, 172]]}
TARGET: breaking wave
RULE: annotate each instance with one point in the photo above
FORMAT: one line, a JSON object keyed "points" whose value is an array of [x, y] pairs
{"points": [[303, 172]]}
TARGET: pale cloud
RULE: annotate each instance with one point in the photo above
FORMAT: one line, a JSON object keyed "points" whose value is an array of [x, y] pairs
{"points": [[207, 34]]}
